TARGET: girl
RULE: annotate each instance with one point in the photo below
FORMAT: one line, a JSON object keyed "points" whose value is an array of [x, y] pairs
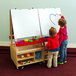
{"points": [[63, 39]]}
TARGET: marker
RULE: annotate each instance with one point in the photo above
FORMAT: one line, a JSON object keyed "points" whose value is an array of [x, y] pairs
{"points": [[26, 40], [36, 38], [20, 41], [30, 40]]}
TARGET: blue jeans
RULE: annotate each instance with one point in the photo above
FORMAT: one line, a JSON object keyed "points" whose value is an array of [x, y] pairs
{"points": [[63, 51]]}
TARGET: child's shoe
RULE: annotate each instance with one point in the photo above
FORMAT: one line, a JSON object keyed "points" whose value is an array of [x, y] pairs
{"points": [[60, 63], [65, 61], [48, 67]]}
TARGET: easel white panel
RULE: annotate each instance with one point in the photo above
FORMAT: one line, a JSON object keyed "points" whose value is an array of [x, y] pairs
{"points": [[25, 23], [47, 16]]}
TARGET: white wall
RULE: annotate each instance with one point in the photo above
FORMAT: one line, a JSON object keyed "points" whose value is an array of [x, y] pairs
{"points": [[68, 8]]}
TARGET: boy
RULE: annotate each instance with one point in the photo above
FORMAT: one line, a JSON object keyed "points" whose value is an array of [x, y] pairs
{"points": [[53, 47]]}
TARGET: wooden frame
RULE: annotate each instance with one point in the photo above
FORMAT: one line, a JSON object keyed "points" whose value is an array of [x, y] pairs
{"points": [[11, 27]]}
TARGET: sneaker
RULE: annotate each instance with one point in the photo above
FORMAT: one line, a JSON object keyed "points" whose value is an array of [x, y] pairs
{"points": [[48, 67], [60, 63], [65, 61]]}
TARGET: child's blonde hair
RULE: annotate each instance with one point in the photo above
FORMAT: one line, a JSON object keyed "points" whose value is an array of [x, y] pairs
{"points": [[62, 22], [52, 32]]}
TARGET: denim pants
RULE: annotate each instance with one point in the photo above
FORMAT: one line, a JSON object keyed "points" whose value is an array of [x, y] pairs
{"points": [[63, 51]]}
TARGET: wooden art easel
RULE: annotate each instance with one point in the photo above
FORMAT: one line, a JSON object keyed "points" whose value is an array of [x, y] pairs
{"points": [[25, 55]]}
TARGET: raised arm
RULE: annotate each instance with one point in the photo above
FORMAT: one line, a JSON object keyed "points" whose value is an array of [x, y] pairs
{"points": [[62, 16]]}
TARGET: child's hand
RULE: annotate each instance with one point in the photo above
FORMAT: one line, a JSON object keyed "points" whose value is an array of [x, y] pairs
{"points": [[42, 35], [46, 47], [60, 14]]}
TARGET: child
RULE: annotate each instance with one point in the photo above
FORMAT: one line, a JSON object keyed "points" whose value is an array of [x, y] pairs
{"points": [[63, 40], [53, 47]]}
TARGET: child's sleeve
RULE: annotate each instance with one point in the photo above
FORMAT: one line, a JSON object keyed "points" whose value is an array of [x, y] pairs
{"points": [[58, 35], [62, 17], [60, 38], [48, 44]]}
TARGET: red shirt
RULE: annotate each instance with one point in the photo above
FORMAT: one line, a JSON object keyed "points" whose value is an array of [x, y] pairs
{"points": [[53, 43], [63, 33]]}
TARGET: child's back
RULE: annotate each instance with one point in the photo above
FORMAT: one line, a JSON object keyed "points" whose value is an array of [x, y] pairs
{"points": [[53, 43], [53, 47]]}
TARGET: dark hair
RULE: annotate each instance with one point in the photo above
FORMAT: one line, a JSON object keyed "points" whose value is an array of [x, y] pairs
{"points": [[52, 32], [62, 22]]}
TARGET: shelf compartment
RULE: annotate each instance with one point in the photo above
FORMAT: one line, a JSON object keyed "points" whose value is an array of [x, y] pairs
{"points": [[25, 62], [46, 57], [29, 50], [38, 55], [25, 56], [32, 62], [19, 59], [36, 60]]}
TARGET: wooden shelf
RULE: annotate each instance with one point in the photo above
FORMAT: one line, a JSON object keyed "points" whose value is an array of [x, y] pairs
{"points": [[46, 59], [25, 58], [46, 53], [40, 40], [29, 50], [19, 54], [32, 62], [38, 60], [19, 64]]}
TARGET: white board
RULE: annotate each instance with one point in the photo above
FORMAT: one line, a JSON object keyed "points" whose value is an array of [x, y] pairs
{"points": [[25, 23], [49, 18]]}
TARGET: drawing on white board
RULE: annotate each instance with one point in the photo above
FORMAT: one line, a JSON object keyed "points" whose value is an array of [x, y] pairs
{"points": [[51, 19]]}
